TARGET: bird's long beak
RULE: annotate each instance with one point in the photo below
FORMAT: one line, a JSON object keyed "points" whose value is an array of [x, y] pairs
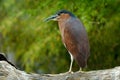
{"points": [[53, 17]]}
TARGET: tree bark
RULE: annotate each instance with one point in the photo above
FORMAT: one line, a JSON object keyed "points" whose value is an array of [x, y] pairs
{"points": [[8, 72]]}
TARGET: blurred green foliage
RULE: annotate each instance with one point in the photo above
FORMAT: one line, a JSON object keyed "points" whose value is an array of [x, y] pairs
{"points": [[37, 45]]}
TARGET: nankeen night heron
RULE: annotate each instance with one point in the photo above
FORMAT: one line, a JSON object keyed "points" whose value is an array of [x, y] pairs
{"points": [[74, 37]]}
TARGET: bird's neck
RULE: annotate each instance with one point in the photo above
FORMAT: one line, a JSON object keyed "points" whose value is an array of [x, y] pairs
{"points": [[61, 25]]}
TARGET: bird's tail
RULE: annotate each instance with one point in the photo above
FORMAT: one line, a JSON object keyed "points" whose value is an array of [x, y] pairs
{"points": [[81, 60]]}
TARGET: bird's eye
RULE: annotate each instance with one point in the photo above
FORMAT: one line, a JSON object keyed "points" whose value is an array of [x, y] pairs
{"points": [[59, 14]]}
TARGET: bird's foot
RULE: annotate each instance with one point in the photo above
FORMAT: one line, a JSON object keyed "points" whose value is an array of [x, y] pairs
{"points": [[80, 71], [49, 75], [69, 72]]}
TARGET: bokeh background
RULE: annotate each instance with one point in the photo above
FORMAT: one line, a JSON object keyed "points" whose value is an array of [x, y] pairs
{"points": [[36, 46]]}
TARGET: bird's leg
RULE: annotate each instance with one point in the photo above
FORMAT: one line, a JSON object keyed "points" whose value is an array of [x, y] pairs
{"points": [[70, 69], [80, 69]]}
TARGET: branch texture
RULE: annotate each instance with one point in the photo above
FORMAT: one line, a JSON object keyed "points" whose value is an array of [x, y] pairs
{"points": [[8, 72]]}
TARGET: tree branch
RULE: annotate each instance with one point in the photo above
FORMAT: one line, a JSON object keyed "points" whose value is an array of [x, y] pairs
{"points": [[8, 72]]}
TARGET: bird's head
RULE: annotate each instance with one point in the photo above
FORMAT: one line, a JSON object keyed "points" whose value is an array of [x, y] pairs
{"points": [[60, 15]]}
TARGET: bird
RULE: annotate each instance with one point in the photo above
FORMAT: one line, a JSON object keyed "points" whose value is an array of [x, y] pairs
{"points": [[3, 58], [74, 37]]}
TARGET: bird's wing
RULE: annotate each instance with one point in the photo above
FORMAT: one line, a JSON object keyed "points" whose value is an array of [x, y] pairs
{"points": [[76, 41]]}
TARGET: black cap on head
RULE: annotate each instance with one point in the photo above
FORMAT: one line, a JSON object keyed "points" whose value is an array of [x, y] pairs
{"points": [[54, 17], [65, 12]]}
